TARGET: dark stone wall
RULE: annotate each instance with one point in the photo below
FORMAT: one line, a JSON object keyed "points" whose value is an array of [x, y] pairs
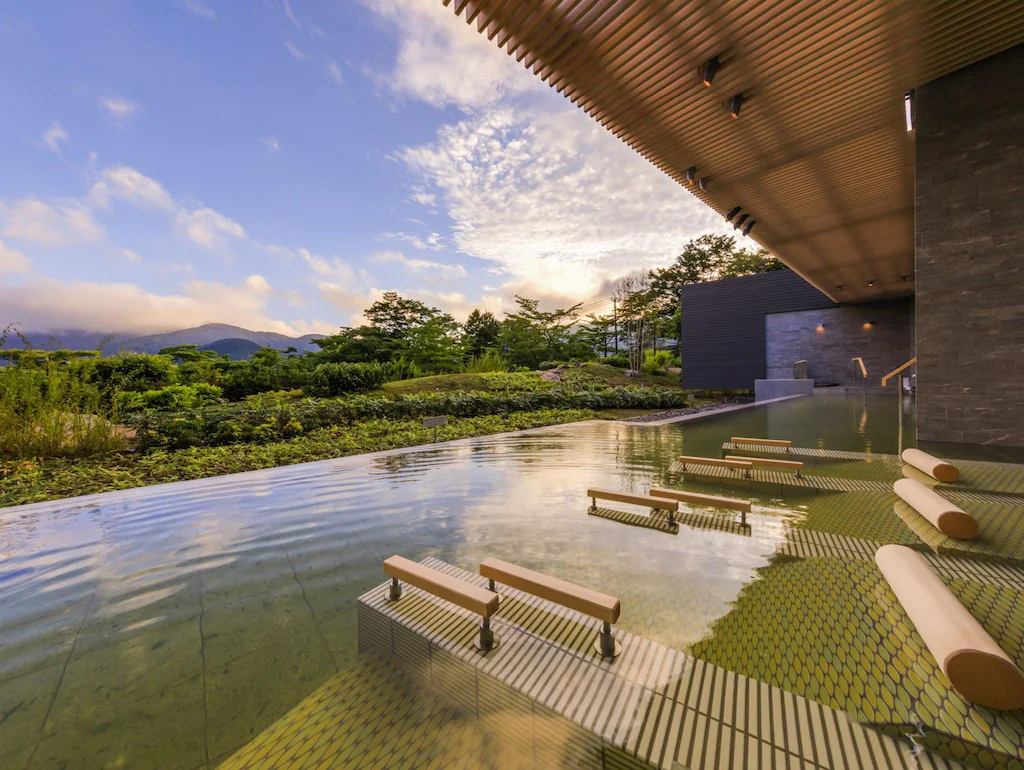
{"points": [[970, 253], [723, 337], [879, 332]]}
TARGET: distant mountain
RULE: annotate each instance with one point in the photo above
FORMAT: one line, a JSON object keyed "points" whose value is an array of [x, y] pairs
{"points": [[236, 348], [208, 334], [203, 336]]}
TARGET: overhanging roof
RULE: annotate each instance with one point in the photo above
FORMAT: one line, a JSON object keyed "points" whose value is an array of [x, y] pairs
{"points": [[820, 156]]}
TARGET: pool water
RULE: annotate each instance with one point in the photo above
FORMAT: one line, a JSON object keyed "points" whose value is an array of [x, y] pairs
{"points": [[168, 626]]}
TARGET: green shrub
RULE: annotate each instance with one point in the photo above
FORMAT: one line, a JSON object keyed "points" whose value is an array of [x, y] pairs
{"points": [[490, 361], [132, 371], [618, 361], [174, 397], [656, 362], [340, 379]]}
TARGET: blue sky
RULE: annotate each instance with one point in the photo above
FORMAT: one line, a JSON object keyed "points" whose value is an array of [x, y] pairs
{"points": [[278, 164]]}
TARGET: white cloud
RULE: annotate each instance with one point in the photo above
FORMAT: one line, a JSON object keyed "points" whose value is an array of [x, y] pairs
{"points": [[443, 61], [209, 228], [12, 260], [272, 144], [34, 221], [130, 255], [335, 72], [127, 184], [125, 307], [433, 242], [422, 267], [552, 199], [120, 108], [294, 50], [291, 14], [199, 9], [53, 136], [333, 268]]}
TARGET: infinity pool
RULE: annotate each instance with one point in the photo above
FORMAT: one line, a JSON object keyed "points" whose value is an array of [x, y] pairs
{"points": [[166, 627]]}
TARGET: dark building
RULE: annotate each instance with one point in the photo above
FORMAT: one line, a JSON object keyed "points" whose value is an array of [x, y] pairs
{"points": [[739, 330]]}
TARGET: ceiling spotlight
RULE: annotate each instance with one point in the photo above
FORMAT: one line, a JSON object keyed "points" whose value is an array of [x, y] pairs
{"points": [[702, 183], [691, 175], [732, 213], [749, 227], [735, 104], [707, 72], [906, 278], [870, 284], [839, 287], [740, 221]]}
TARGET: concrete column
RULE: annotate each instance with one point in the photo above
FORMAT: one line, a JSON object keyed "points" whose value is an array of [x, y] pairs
{"points": [[970, 253]]}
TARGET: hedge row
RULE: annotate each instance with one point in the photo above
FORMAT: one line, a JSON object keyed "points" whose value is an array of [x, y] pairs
{"points": [[263, 422]]}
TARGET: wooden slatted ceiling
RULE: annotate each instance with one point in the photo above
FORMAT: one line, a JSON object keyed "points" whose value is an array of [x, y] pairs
{"points": [[819, 156]]}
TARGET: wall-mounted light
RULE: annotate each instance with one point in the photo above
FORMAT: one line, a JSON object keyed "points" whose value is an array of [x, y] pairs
{"points": [[702, 183], [732, 212], [868, 324], [708, 71], [821, 328], [740, 221], [735, 104], [691, 175], [749, 227]]}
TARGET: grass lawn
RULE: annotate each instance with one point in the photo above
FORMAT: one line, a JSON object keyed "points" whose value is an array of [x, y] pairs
{"points": [[438, 382]]}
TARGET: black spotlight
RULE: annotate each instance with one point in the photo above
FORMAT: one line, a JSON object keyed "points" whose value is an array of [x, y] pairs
{"points": [[870, 284], [731, 214], [707, 72], [735, 104], [691, 175], [749, 227], [702, 183], [740, 221]]}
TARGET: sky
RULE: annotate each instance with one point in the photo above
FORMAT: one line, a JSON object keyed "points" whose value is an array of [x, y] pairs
{"points": [[279, 164]]}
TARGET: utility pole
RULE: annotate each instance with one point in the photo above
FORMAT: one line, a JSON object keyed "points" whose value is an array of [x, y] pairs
{"points": [[615, 316]]}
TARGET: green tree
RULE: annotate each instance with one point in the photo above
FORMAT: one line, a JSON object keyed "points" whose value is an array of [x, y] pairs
{"points": [[751, 262], [531, 335], [396, 316], [436, 344], [481, 331]]}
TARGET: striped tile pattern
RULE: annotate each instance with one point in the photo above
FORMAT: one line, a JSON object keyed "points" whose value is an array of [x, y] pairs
{"points": [[657, 522], [652, 704], [783, 478]]}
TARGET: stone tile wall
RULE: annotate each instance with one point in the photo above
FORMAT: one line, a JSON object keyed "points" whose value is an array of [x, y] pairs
{"points": [[970, 253]]}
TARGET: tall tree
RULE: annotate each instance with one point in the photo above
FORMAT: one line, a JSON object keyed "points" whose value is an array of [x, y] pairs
{"points": [[532, 335], [481, 330], [751, 262], [396, 316]]}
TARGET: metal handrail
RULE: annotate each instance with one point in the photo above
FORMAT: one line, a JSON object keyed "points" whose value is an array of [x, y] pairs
{"points": [[863, 370], [894, 372]]}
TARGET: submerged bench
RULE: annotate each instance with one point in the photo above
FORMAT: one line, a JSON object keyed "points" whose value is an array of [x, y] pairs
{"points": [[769, 462], [938, 469], [654, 503], [601, 606], [762, 441], [949, 519], [714, 501], [466, 595], [973, 663], [737, 465]]}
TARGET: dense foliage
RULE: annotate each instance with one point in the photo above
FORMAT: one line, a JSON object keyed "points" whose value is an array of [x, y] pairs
{"points": [[338, 379]]}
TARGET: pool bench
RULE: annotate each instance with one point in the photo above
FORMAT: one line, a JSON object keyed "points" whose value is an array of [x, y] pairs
{"points": [[762, 441], [769, 462], [654, 503], [597, 605], [470, 597], [949, 519], [736, 465], [938, 469], [974, 664], [713, 501]]}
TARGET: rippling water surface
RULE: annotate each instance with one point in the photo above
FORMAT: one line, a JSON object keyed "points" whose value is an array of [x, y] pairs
{"points": [[167, 626]]}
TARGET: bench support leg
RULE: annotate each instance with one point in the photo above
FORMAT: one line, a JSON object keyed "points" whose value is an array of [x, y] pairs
{"points": [[486, 640], [605, 643], [593, 503], [494, 588], [394, 590]]}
